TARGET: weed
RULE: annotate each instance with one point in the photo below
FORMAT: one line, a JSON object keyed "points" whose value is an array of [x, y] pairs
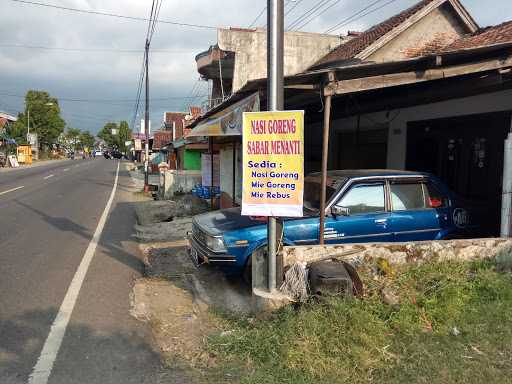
{"points": [[452, 325]]}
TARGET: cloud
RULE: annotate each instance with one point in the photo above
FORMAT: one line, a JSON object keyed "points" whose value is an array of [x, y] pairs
{"points": [[114, 75]]}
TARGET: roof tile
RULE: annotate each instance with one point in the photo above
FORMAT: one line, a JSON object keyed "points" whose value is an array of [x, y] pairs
{"points": [[486, 36], [358, 44]]}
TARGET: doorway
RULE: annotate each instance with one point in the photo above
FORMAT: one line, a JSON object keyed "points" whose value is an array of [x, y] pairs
{"points": [[467, 154]]}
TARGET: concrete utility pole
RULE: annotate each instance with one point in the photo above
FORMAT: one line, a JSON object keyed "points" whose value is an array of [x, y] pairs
{"points": [[506, 204], [28, 124], [275, 102], [146, 122]]}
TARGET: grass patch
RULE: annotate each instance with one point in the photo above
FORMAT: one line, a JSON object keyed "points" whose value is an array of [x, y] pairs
{"points": [[453, 325]]}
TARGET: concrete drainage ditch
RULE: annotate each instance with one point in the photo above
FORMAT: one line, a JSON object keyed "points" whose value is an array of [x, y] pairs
{"points": [[174, 297]]}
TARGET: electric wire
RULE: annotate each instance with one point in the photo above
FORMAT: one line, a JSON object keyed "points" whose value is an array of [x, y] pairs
{"points": [[83, 100], [306, 14], [350, 18], [292, 8], [257, 17], [367, 13], [100, 50], [313, 17], [111, 14]]}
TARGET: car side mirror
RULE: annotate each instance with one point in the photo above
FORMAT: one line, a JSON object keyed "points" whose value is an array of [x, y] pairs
{"points": [[336, 210]]}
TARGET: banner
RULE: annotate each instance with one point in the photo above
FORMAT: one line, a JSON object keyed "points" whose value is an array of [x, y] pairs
{"points": [[273, 164], [227, 122]]}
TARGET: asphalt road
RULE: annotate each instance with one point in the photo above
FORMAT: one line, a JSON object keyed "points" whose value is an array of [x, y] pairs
{"points": [[48, 216]]}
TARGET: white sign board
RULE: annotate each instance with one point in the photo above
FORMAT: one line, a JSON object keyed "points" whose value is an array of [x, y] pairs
{"points": [[32, 140], [142, 126], [13, 161]]}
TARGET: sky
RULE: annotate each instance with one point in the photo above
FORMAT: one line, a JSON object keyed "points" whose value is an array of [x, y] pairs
{"points": [[91, 63]]}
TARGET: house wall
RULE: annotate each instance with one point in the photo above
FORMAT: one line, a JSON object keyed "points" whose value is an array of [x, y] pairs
{"points": [[301, 50], [437, 29], [192, 160], [397, 120]]}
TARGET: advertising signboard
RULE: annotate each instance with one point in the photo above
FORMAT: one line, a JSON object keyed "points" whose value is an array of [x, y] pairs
{"points": [[273, 164]]}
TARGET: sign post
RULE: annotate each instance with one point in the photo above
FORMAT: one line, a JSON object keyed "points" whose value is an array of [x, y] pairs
{"points": [[275, 101]]}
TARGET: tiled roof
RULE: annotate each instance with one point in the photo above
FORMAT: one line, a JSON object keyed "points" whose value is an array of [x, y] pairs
{"points": [[176, 117], [161, 138], [358, 44], [486, 36]]}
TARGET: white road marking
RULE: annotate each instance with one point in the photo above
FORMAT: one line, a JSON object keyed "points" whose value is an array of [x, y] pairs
{"points": [[11, 190], [43, 368], [47, 177], [66, 169]]}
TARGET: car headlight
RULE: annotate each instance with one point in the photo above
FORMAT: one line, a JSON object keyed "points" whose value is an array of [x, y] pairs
{"points": [[216, 244]]}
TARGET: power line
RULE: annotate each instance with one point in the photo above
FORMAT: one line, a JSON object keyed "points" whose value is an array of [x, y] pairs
{"points": [[293, 7], [350, 18], [110, 14], [313, 9], [367, 13], [81, 100], [286, 3], [313, 17], [102, 50], [257, 17]]}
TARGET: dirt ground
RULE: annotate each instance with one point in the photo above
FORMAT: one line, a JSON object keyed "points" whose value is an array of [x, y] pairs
{"points": [[174, 297]]}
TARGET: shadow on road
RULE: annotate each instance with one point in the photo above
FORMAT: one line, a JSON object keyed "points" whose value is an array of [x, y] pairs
{"points": [[117, 230], [106, 357]]}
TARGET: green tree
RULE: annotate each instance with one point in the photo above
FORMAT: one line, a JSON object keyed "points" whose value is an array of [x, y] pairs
{"points": [[106, 134], [45, 119], [87, 140], [125, 134], [73, 137]]}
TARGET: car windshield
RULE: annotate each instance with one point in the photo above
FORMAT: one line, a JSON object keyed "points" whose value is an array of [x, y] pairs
{"points": [[312, 188]]}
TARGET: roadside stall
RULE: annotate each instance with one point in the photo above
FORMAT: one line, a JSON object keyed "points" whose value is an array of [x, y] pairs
{"points": [[24, 154], [221, 170]]}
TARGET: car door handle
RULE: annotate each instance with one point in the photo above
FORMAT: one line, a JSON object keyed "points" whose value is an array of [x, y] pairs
{"points": [[381, 221]]}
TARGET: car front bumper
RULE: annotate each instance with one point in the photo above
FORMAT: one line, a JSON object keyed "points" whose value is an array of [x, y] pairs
{"points": [[199, 254]]}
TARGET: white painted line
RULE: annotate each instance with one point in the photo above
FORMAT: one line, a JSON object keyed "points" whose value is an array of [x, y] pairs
{"points": [[66, 169], [43, 368], [11, 190], [47, 177]]}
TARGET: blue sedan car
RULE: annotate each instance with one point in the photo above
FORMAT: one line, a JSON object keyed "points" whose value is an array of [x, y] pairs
{"points": [[362, 206]]}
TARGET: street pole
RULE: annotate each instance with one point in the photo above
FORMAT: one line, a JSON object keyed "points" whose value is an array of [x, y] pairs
{"points": [[275, 102], [28, 124], [146, 122]]}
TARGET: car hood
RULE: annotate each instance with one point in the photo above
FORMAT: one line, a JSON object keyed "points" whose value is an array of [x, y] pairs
{"points": [[217, 222]]}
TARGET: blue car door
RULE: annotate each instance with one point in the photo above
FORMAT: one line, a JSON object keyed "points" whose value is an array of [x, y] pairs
{"points": [[413, 217], [367, 218]]}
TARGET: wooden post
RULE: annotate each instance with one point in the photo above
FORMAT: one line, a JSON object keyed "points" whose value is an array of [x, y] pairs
{"points": [[234, 173], [210, 145], [325, 156]]}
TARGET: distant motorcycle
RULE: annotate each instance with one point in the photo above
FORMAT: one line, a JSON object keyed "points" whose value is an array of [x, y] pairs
{"points": [[106, 155]]}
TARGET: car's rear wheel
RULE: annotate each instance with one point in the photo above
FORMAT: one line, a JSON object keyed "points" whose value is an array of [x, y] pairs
{"points": [[247, 273]]}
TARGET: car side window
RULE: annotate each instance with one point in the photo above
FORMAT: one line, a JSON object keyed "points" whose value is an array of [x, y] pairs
{"points": [[407, 196], [364, 198], [434, 197]]}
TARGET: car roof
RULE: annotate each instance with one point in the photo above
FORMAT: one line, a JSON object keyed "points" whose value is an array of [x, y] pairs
{"points": [[355, 173]]}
